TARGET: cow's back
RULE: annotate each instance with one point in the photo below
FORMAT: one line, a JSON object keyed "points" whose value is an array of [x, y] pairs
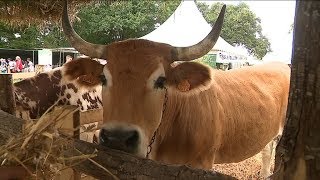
{"points": [[252, 106], [229, 121]]}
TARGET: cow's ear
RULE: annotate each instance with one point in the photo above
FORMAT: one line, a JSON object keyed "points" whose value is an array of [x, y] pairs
{"points": [[85, 71], [189, 77]]}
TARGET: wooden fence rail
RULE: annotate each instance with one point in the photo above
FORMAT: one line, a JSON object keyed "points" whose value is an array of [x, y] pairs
{"points": [[7, 101]]}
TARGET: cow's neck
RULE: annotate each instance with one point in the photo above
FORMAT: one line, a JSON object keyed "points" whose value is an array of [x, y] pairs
{"points": [[39, 93], [178, 130]]}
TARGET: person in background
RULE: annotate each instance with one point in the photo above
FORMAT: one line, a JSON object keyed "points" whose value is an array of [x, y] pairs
{"points": [[19, 65], [68, 58], [25, 66], [229, 66], [30, 65], [12, 65], [3, 65]]}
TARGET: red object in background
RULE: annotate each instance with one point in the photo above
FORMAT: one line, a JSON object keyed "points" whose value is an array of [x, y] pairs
{"points": [[19, 65]]}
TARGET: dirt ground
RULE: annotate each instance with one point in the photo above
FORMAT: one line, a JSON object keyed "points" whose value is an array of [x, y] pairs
{"points": [[248, 169]]}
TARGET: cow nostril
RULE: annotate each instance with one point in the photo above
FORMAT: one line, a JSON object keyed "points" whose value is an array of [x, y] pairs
{"points": [[132, 139]]}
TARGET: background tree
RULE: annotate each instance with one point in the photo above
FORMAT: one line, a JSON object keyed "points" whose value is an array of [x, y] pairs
{"points": [[19, 38], [109, 22], [31, 37], [298, 153], [241, 27], [103, 22], [52, 37]]}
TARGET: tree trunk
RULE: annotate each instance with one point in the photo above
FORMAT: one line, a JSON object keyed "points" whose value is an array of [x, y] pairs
{"points": [[298, 153], [120, 164]]}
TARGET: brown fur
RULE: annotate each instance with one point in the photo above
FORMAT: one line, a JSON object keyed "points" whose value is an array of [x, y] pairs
{"points": [[242, 111], [221, 117], [85, 76]]}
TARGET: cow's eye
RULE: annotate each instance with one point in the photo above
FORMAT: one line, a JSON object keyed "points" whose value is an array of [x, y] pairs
{"points": [[160, 82], [103, 80]]}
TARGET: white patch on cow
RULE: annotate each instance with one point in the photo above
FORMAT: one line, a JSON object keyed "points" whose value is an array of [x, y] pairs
{"points": [[108, 76], [66, 80], [155, 75], [75, 96], [32, 104], [22, 98], [93, 92], [142, 147]]}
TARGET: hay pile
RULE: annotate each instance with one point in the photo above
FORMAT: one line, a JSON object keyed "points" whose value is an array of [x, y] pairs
{"points": [[40, 148], [20, 13]]}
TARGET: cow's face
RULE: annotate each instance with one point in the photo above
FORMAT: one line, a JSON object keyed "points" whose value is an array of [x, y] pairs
{"points": [[135, 81], [134, 88]]}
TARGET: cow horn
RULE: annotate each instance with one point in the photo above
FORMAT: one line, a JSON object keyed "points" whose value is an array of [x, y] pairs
{"points": [[89, 49], [203, 47]]}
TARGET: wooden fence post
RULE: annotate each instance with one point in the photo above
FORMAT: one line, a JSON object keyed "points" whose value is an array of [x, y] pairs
{"points": [[76, 134], [7, 101], [71, 128]]}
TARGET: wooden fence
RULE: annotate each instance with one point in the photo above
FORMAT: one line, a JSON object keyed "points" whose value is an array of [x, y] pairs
{"points": [[77, 119]]}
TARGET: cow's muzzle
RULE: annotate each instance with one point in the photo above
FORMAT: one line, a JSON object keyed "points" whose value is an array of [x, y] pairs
{"points": [[124, 140]]}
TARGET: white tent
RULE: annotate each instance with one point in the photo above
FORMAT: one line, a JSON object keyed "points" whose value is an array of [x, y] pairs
{"points": [[185, 27]]}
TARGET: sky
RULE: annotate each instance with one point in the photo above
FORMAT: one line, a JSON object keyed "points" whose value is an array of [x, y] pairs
{"points": [[276, 19]]}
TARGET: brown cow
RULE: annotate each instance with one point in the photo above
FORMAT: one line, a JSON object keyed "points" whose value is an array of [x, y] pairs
{"points": [[188, 113]]}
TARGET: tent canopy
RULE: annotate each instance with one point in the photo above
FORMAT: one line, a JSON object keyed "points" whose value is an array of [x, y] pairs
{"points": [[186, 27]]}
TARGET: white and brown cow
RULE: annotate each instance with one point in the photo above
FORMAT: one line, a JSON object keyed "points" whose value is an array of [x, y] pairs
{"points": [[197, 115], [36, 94]]}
